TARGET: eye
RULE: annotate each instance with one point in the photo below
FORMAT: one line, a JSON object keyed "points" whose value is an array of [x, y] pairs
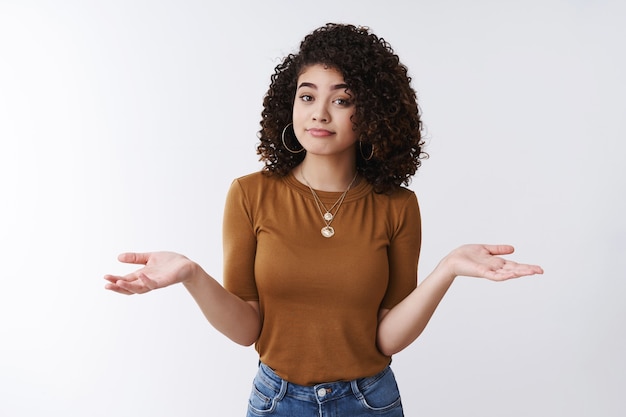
{"points": [[306, 97], [343, 102]]}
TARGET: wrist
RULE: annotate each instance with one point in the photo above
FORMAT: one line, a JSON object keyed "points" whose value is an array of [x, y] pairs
{"points": [[191, 273], [446, 267]]}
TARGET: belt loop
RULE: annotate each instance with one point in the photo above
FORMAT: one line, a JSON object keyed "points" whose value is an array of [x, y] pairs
{"points": [[283, 389], [355, 390]]}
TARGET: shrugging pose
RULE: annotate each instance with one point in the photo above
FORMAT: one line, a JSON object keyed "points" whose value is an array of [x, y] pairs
{"points": [[321, 246]]}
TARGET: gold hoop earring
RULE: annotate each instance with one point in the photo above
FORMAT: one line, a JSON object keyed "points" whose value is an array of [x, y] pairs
{"points": [[371, 152], [285, 144]]}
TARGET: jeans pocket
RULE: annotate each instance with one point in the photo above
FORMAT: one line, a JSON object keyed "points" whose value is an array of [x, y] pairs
{"points": [[379, 393], [262, 401]]}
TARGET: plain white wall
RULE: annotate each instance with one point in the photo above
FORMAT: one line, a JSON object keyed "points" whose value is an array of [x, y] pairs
{"points": [[122, 123]]}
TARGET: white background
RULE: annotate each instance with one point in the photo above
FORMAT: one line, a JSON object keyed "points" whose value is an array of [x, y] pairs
{"points": [[122, 124]]}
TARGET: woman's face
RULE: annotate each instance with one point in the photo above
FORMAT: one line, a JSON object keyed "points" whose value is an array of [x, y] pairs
{"points": [[322, 112]]}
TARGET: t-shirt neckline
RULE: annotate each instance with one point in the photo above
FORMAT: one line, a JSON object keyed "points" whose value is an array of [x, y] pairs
{"points": [[361, 189]]}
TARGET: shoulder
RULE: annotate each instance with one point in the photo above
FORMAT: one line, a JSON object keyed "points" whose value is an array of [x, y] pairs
{"points": [[398, 197], [401, 207], [252, 177], [403, 193], [256, 179], [257, 185]]}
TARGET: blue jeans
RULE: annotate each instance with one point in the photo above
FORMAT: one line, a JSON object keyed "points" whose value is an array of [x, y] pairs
{"points": [[373, 396]]}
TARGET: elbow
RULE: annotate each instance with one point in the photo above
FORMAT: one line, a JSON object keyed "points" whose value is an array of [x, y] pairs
{"points": [[386, 351], [245, 329], [388, 347], [245, 339], [391, 344]]}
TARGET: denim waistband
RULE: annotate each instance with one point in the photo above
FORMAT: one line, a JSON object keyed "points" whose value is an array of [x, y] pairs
{"points": [[323, 392]]}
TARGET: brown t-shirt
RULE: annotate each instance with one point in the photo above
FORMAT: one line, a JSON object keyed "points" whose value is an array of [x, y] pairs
{"points": [[319, 297]]}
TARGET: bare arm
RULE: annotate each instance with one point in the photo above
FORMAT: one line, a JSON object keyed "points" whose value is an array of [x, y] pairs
{"points": [[239, 320], [401, 325], [235, 318]]}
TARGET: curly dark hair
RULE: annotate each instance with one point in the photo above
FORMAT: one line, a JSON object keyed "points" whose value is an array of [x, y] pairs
{"points": [[387, 116]]}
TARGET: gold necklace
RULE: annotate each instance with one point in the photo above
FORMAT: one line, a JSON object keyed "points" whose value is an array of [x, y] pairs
{"points": [[327, 215]]}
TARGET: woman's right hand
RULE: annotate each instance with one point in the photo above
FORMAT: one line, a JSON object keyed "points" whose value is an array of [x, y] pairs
{"points": [[160, 269]]}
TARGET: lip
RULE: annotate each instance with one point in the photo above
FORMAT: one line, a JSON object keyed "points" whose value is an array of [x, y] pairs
{"points": [[316, 132]]}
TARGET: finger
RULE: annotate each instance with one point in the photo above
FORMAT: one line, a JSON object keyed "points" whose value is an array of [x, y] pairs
{"points": [[111, 278], [529, 269], [134, 258], [151, 284], [134, 287], [515, 270], [525, 269], [117, 289], [496, 263], [115, 278], [499, 249]]}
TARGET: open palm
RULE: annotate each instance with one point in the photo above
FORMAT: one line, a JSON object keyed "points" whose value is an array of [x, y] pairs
{"points": [[484, 261], [160, 269]]}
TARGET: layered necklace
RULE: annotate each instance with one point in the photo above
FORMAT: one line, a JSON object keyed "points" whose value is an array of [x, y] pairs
{"points": [[327, 214]]}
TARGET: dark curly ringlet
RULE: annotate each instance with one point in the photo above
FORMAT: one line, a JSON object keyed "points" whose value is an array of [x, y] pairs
{"points": [[387, 116]]}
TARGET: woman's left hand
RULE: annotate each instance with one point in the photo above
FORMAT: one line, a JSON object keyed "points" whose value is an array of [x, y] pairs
{"points": [[483, 261]]}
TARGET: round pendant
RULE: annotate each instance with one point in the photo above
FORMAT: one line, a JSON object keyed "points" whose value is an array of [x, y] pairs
{"points": [[328, 216], [328, 231]]}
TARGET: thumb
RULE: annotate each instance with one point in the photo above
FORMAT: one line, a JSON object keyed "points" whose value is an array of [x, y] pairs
{"points": [[134, 258], [499, 249]]}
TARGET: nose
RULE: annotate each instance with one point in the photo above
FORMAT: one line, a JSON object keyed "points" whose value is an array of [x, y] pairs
{"points": [[320, 113]]}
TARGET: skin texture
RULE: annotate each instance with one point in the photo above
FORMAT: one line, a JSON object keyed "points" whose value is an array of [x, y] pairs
{"points": [[322, 114]]}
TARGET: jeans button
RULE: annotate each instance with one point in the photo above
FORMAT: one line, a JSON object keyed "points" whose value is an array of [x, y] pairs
{"points": [[321, 392]]}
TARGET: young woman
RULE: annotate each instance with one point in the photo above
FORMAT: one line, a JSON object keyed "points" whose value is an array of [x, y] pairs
{"points": [[321, 246]]}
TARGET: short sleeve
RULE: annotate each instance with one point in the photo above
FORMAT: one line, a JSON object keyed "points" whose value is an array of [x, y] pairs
{"points": [[239, 243], [403, 252]]}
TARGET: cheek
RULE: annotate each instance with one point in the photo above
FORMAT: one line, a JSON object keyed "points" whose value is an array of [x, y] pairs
{"points": [[348, 125], [298, 113], [298, 125]]}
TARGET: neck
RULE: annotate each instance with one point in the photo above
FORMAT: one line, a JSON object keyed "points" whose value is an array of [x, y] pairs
{"points": [[324, 175]]}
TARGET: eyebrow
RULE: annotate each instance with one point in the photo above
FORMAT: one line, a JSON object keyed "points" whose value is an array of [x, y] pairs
{"points": [[334, 87]]}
